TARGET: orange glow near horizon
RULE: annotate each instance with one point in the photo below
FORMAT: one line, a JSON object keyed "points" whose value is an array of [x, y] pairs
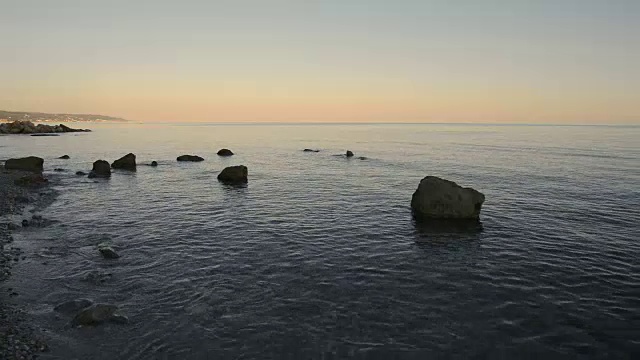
{"points": [[366, 61]]}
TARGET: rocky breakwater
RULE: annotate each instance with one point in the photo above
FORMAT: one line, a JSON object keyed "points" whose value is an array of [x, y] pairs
{"points": [[442, 199], [27, 127]]}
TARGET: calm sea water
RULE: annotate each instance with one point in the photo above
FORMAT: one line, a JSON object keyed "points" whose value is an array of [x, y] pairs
{"points": [[319, 258]]}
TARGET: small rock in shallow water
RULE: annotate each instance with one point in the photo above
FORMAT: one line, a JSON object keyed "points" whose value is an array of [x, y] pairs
{"points": [[107, 251], [311, 150], [25, 223], [59, 169], [225, 152], [95, 314], [31, 180], [194, 158], [97, 277], [349, 154], [81, 173], [154, 163], [64, 157]]}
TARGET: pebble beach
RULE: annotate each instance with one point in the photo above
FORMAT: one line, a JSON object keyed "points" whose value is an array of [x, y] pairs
{"points": [[18, 340]]}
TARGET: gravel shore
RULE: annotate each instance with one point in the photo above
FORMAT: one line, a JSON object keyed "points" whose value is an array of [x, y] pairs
{"points": [[17, 339]]}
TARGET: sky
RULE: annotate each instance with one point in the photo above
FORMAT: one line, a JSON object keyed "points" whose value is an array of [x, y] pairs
{"points": [[490, 61]]}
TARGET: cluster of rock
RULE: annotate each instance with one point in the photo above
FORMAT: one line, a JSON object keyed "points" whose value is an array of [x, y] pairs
{"points": [[435, 198], [27, 127], [229, 175]]}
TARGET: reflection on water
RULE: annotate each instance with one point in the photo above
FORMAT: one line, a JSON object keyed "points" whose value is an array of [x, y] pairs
{"points": [[318, 257]]}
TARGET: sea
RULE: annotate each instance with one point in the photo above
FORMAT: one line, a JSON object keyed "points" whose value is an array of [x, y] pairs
{"points": [[319, 257]]}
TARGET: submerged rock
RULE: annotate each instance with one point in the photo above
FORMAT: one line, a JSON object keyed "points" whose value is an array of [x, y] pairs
{"points": [[127, 162], [73, 306], [59, 170], [119, 319], [97, 277], [95, 314], [30, 163], [311, 150], [101, 168], [81, 173], [438, 198], [64, 157], [154, 163], [107, 251], [225, 152], [12, 226], [234, 175], [349, 154], [25, 223], [193, 158], [31, 180]]}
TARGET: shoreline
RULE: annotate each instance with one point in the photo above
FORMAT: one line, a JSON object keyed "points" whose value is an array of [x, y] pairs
{"points": [[19, 339]]}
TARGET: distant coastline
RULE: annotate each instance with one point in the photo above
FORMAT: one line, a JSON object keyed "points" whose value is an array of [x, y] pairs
{"points": [[9, 116]]}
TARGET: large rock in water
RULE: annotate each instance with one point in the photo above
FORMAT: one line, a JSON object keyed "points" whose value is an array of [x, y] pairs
{"points": [[234, 175], [438, 198], [225, 152], [30, 163], [190, 158], [127, 162], [101, 168]]}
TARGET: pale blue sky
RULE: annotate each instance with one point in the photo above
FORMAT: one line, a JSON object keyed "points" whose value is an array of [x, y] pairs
{"points": [[488, 61]]}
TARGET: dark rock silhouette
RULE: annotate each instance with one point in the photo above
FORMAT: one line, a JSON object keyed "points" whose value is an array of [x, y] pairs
{"points": [[194, 158], [127, 162], [64, 157], [101, 168], [225, 152], [29, 163], [349, 154], [27, 127], [154, 163], [59, 169], [438, 198], [80, 173], [311, 150], [234, 175]]}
